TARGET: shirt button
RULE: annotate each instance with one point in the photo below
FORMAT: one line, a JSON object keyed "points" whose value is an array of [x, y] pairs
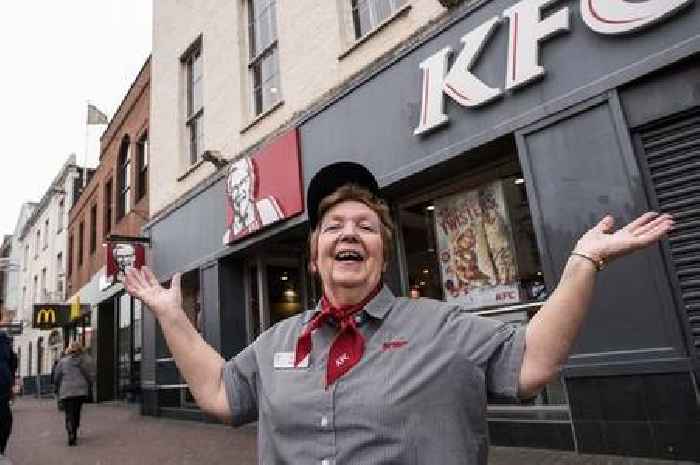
{"points": [[324, 421]]}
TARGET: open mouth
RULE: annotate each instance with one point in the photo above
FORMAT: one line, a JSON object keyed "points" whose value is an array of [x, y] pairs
{"points": [[348, 256]]}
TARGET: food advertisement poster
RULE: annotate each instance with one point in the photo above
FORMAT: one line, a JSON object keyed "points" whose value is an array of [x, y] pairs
{"points": [[476, 250]]}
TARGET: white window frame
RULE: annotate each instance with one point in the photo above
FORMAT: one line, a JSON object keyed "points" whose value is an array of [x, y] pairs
{"points": [[375, 19], [194, 115], [258, 53]]}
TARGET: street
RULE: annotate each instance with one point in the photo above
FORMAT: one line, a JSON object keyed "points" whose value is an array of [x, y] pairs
{"points": [[117, 434]]}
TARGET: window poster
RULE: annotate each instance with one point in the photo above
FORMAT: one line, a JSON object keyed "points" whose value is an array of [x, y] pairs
{"points": [[476, 250]]}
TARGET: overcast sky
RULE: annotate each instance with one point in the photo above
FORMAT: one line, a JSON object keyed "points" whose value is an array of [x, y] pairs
{"points": [[56, 56]]}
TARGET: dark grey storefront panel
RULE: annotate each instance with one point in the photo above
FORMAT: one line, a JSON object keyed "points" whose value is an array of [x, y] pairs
{"points": [[662, 94], [191, 233], [374, 123], [211, 314], [580, 168]]}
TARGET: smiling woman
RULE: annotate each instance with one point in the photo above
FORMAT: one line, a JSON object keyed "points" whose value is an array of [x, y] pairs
{"points": [[366, 377], [353, 243]]}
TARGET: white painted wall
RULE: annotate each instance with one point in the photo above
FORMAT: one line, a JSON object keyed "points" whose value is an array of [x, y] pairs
{"points": [[312, 36], [43, 257]]}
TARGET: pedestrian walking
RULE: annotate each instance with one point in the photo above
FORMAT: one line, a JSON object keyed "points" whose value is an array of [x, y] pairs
{"points": [[369, 378], [73, 378], [8, 368], [53, 380]]}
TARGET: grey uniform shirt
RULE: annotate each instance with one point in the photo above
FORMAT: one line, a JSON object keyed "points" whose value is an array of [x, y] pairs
{"points": [[417, 396]]}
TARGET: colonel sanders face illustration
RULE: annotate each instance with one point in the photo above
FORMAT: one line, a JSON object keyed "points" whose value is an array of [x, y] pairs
{"points": [[125, 257], [248, 213], [240, 182]]}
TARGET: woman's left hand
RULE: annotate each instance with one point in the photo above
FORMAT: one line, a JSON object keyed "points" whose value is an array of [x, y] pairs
{"points": [[601, 243]]}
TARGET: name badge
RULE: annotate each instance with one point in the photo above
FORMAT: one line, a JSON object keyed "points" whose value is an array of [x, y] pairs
{"points": [[285, 360]]}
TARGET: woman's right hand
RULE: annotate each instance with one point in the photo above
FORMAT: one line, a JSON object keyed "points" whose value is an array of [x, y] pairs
{"points": [[143, 285]]}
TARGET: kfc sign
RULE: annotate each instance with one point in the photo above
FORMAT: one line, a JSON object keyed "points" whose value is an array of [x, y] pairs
{"points": [[263, 188], [123, 255], [527, 29]]}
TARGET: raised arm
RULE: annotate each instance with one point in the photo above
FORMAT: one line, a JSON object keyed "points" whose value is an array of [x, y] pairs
{"points": [[199, 363], [553, 330]]}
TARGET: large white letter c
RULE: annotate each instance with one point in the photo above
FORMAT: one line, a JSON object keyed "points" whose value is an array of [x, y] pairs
{"points": [[621, 16]]}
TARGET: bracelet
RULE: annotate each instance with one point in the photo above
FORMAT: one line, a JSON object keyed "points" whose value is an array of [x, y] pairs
{"points": [[599, 264]]}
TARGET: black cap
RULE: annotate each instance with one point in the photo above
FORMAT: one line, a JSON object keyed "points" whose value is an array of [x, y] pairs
{"points": [[332, 177]]}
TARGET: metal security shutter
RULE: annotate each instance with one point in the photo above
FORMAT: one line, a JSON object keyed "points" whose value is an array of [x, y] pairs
{"points": [[672, 151]]}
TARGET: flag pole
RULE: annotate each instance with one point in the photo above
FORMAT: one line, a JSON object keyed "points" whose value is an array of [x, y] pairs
{"points": [[87, 127]]}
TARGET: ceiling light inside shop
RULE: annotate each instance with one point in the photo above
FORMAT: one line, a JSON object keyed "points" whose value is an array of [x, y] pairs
{"points": [[426, 271], [430, 208], [519, 181], [290, 293], [284, 277]]}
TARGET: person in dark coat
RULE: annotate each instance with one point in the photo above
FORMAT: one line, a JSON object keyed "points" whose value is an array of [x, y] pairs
{"points": [[8, 368], [73, 379]]}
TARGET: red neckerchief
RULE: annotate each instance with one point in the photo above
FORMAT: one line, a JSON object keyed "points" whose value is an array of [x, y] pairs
{"points": [[347, 347]]}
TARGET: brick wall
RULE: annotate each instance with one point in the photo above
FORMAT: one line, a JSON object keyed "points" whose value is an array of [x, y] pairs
{"points": [[130, 123]]}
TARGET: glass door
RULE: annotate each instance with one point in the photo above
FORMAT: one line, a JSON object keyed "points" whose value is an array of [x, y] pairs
{"points": [[276, 288]]}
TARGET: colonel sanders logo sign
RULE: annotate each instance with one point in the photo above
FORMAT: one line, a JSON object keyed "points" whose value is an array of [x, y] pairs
{"points": [[263, 188], [121, 256]]}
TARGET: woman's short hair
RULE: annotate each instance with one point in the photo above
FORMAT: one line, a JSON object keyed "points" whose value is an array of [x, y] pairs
{"points": [[358, 194], [74, 347]]}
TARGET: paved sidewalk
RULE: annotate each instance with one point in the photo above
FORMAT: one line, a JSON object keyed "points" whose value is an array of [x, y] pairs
{"points": [[114, 434]]}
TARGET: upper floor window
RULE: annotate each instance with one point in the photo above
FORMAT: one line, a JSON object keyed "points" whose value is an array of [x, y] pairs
{"points": [[44, 295], [93, 229], [368, 14], [59, 264], [264, 56], [124, 178], [61, 213], [59, 276], [81, 242], [192, 60], [46, 233], [142, 166], [107, 220], [71, 253], [26, 257], [37, 242]]}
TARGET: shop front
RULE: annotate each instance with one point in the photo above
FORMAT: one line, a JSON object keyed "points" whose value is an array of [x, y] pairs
{"points": [[498, 141], [112, 336]]}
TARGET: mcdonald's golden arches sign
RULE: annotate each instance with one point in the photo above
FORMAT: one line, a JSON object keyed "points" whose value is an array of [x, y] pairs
{"points": [[47, 316]]}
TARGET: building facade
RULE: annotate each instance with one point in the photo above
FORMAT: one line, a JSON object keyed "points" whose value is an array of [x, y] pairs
{"points": [[5, 270], [114, 203], [499, 131], [41, 256]]}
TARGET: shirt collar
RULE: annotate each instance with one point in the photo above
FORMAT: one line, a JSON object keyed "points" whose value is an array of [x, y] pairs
{"points": [[378, 307]]}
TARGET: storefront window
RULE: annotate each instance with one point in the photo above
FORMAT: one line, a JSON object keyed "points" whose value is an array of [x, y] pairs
{"points": [[137, 330], [254, 302], [124, 346], [473, 244], [191, 304], [284, 285], [190, 298]]}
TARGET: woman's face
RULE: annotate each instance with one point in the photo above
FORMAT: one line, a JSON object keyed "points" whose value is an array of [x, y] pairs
{"points": [[350, 252]]}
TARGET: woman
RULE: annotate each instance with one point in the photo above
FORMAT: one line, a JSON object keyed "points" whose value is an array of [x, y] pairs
{"points": [[369, 378], [73, 379]]}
